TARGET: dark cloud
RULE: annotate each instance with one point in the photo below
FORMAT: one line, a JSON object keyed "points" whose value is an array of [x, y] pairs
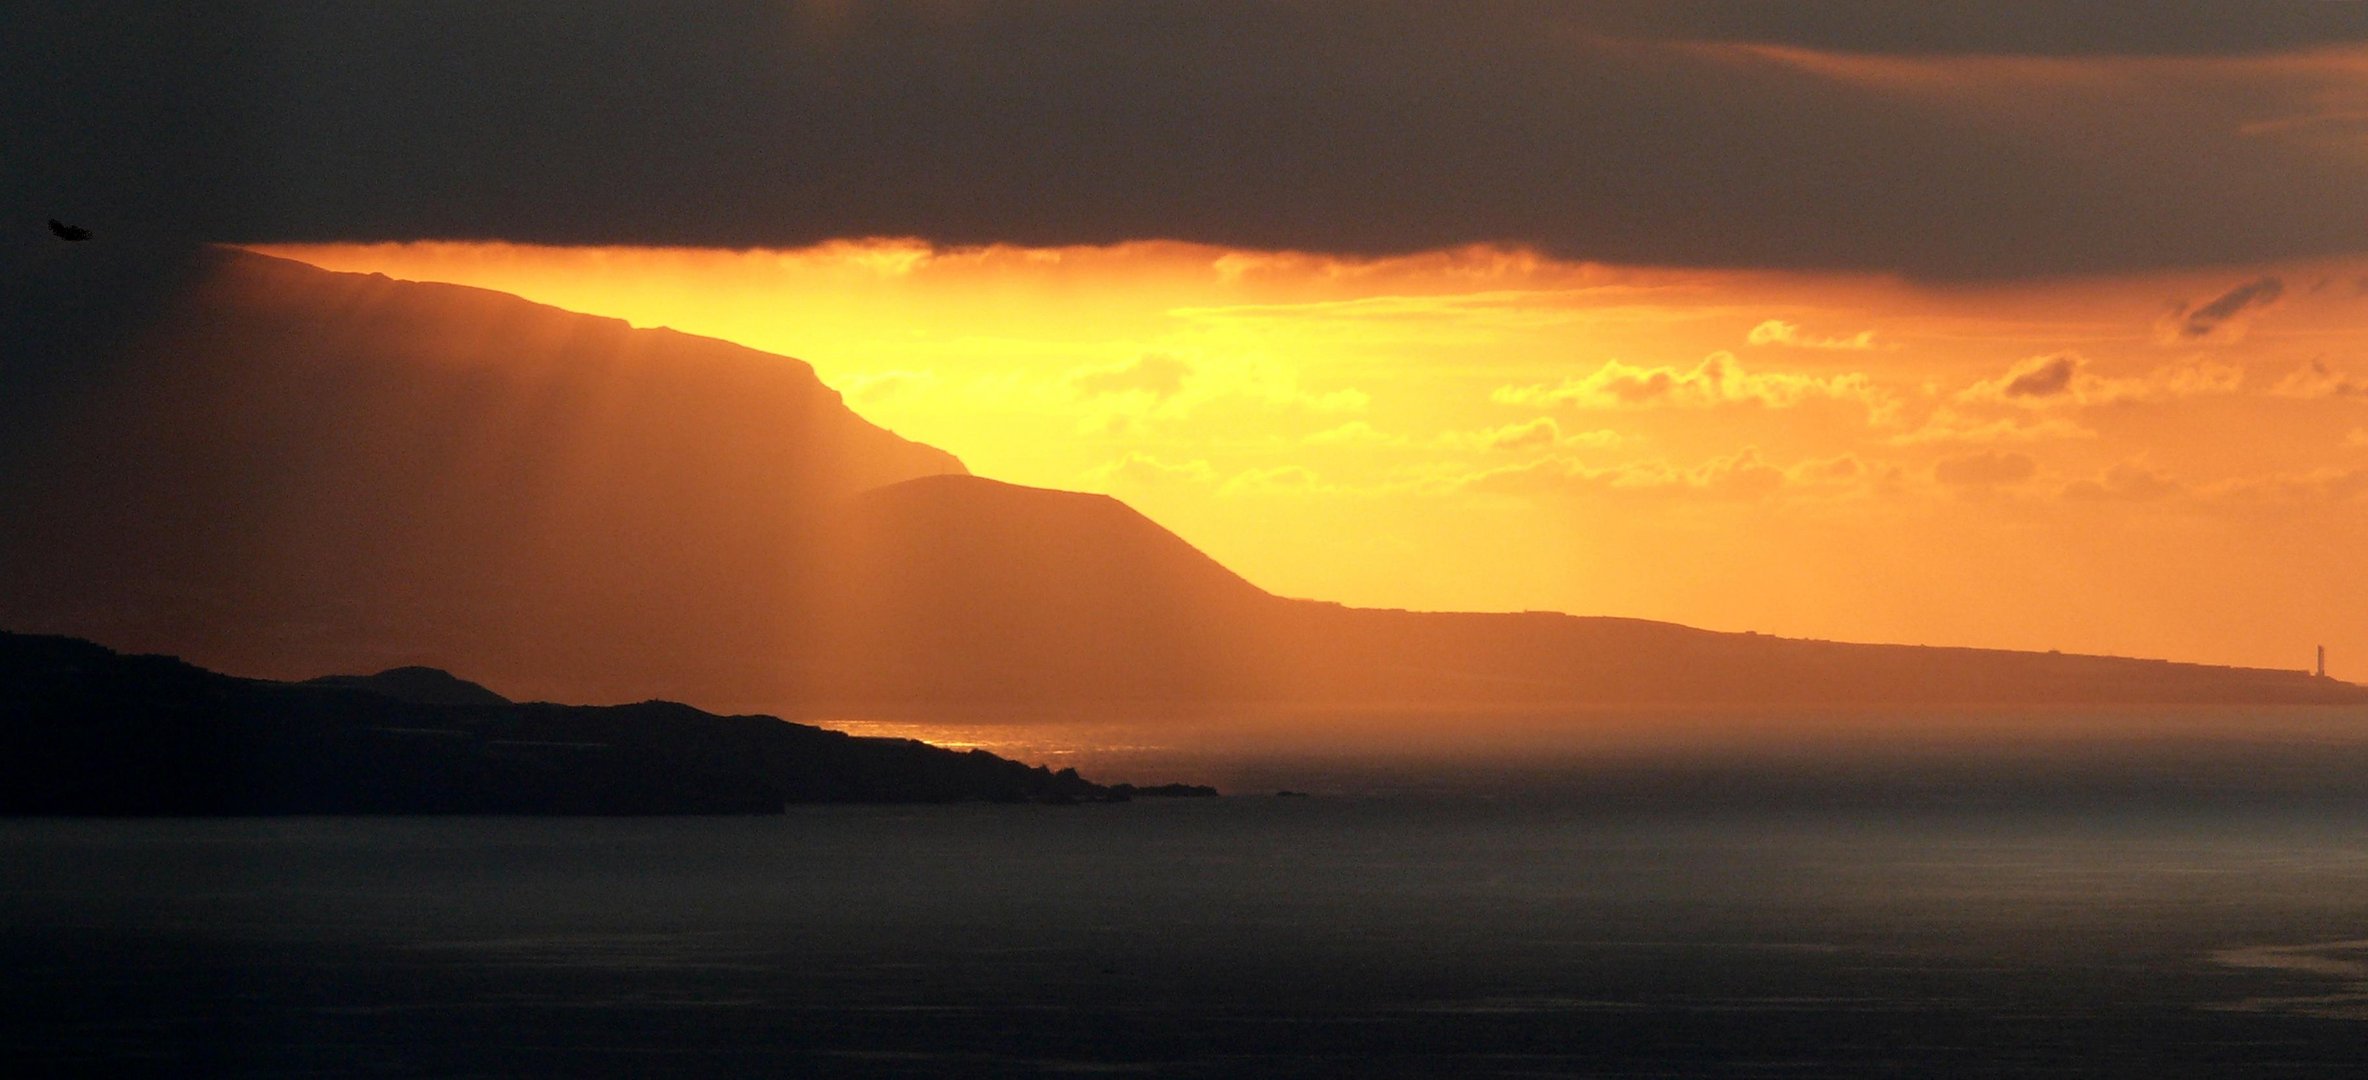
{"points": [[2201, 321], [2044, 376], [1596, 131], [1997, 27]]}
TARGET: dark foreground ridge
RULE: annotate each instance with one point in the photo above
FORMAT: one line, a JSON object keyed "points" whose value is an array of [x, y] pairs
{"points": [[418, 685], [87, 730]]}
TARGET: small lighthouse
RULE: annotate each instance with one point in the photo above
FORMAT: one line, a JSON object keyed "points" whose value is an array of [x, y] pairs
{"points": [[2322, 672]]}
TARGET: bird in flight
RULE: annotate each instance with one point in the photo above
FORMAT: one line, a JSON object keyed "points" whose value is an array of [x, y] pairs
{"points": [[68, 233]]}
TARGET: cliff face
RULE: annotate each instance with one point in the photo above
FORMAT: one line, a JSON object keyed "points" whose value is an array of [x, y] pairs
{"points": [[281, 470]]}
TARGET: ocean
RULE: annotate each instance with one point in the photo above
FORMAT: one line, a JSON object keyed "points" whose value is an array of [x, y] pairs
{"points": [[1719, 917]]}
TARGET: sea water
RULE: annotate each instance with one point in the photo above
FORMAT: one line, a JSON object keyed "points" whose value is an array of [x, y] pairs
{"points": [[1506, 920]]}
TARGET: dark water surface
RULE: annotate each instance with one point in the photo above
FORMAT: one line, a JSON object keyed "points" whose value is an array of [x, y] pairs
{"points": [[1403, 935]]}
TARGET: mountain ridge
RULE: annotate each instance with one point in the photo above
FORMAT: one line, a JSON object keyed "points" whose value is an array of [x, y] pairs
{"points": [[416, 684], [86, 730], [283, 470], [954, 623]]}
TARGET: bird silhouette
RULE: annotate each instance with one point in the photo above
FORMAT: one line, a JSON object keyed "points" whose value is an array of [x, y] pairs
{"points": [[69, 233]]}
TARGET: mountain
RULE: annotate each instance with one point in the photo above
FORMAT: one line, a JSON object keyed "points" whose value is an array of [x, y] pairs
{"points": [[417, 685], [272, 468], [984, 592], [86, 730], [955, 588], [276, 469]]}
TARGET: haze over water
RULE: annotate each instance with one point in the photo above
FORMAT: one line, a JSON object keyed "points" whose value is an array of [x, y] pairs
{"points": [[2192, 756]]}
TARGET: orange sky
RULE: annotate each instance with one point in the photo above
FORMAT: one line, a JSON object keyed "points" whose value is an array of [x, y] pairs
{"points": [[2173, 465]]}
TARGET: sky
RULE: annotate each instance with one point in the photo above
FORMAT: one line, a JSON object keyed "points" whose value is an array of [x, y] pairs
{"points": [[2020, 324]]}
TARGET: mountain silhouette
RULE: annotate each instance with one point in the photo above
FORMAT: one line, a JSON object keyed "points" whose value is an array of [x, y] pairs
{"points": [[275, 469], [962, 590], [418, 685], [954, 588], [86, 730]]}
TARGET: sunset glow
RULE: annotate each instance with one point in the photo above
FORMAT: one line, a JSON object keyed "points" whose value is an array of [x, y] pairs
{"points": [[2169, 465], [933, 538]]}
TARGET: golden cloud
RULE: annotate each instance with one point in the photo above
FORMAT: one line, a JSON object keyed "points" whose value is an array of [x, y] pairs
{"points": [[1989, 468], [1949, 426], [1542, 433], [2313, 487], [879, 385], [1743, 475], [1157, 377], [2318, 379], [1170, 388], [1287, 480], [1779, 332], [1718, 380], [1353, 433], [2128, 481], [1144, 470]]}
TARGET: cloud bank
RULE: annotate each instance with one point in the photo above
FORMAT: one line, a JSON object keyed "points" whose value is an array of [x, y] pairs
{"points": [[1971, 141]]}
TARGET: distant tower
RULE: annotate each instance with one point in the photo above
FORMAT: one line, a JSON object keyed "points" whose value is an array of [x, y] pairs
{"points": [[2322, 672]]}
